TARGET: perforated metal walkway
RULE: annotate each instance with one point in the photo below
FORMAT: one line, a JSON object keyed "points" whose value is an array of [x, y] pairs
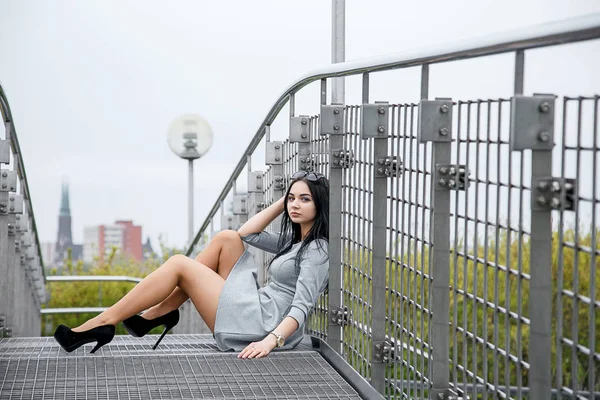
{"points": [[183, 367]]}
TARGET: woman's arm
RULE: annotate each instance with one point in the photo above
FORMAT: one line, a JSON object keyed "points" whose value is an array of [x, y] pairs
{"points": [[259, 222]]}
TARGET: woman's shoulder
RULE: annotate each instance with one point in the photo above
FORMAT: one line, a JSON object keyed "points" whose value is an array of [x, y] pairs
{"points": [[319, 248]]}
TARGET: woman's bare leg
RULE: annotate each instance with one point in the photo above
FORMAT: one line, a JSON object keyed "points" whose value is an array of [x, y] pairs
{"points": [[200, 283], [220, 255]]}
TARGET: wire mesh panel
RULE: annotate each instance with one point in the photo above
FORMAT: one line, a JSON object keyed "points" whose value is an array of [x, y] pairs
{"points": [[318, 321], [490, 256], [356, 253], [408, 277], [576, 254]]}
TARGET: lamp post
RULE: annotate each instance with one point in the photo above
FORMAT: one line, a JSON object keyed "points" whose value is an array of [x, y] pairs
{"points": [[190, 137]]}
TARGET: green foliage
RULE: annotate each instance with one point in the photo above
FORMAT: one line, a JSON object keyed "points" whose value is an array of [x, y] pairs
{"points": [[95, 294]]}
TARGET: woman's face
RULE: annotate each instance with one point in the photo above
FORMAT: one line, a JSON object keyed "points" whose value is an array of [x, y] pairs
{"points": [[300, 205]]}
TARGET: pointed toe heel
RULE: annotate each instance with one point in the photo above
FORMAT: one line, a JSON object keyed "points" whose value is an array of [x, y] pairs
{"points": [[139, 326]]}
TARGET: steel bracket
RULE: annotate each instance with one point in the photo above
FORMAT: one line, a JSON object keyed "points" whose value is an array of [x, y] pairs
{"points": [[240, 204], [300, 129], [227, 221], [307, 162], [342, 159], [4, 152], [532, 122], [435, 120], [339, 315], [278, 182], [255, 182], [374, 121], [15, 204], [452, 395], [550, 193], [17, 246], [11, 229], [274, 154], [451, 177], [388, 167], [8, 180], [332, 119], [383, 352], [26, 239], [3, 203], [20, 223]]}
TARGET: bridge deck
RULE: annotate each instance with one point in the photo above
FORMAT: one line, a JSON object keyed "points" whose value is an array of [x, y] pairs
{"points": [[183, 367]]}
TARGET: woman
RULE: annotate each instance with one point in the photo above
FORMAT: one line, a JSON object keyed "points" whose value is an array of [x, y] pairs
{"points": [[222, 282]]}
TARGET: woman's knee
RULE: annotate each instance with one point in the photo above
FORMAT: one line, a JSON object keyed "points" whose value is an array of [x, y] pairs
{"points": [[228, 236]]}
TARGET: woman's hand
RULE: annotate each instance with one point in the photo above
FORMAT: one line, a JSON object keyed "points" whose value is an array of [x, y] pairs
{"points": [[259, 349]]}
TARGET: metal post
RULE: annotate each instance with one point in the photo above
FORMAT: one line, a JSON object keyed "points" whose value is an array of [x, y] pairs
{"points": [[439, 133], [191, 201], [540, 296], [378, 263], [338, 47]]}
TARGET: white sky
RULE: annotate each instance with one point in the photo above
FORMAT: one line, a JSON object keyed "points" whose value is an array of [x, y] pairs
{"points": [[94, 85]]}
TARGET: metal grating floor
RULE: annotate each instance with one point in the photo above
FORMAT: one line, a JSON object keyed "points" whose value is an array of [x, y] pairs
{"points": [[183, 367]]}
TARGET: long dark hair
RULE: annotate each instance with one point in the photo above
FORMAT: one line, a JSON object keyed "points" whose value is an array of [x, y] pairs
{"points": [[290, 231]]}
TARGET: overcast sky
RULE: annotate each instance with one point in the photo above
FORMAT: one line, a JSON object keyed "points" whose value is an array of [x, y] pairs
{"points": [[94, 85]]}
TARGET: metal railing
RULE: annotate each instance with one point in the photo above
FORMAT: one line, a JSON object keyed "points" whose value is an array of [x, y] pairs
{"points": [[22, 277], [452, 270]]}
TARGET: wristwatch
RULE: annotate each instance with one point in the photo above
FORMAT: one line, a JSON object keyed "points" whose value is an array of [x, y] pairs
{"points": [[280, 338]]}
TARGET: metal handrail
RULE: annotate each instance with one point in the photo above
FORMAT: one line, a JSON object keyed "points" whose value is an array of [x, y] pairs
{"points": [[7, 118], [548, 34], [85, 278], [93, 278]]}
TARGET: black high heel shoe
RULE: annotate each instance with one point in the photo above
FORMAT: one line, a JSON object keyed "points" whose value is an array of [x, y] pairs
{"points": [[138, 326], [70, 340]]}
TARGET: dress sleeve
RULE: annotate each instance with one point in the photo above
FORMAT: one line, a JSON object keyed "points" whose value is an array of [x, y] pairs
{"points": [[312, 280], [267, 241]]}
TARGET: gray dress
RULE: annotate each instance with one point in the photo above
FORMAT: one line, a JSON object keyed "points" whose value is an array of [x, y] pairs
{"points": [[247, 312]]}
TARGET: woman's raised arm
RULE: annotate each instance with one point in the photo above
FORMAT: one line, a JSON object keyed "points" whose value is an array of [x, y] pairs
{"points": [[259, 222]]}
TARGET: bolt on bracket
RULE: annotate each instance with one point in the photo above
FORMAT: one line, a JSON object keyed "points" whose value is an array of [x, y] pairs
{"points": [[332, 119], [435, 120], [300, 129], [532, 122], [549, 193], [374, 120], [342, 158], [274, 153], [339, 316], [240, 204], [278, 182], [451, 177], [383, 352], [388, 167], [255, 182], [307, 162], [8, 180]]}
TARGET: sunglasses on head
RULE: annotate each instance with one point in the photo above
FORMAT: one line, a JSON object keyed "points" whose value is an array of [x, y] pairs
{"points": [[311, 176]]}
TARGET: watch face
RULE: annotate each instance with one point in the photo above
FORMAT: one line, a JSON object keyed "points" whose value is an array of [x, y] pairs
{"points": [[280, 341]]}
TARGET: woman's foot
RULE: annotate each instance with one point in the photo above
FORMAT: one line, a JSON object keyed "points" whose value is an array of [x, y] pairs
{"points": [[92, 323]]}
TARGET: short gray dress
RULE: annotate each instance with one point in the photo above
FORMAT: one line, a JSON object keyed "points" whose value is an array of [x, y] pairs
{"points": [[247, 312]]}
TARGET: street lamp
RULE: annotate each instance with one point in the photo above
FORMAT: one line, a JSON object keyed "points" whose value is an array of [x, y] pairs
{"points": [[190, 137]]}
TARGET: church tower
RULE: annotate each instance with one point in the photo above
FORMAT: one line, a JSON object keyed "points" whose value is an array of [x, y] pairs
{"points": [[64, 239]]}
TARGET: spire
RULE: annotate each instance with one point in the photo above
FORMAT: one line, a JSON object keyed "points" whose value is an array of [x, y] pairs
{"points": [[65, 209]]}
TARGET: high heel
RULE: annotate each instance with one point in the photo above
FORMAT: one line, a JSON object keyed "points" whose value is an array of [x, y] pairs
{"points": [[138, 326], [70, 340]]}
